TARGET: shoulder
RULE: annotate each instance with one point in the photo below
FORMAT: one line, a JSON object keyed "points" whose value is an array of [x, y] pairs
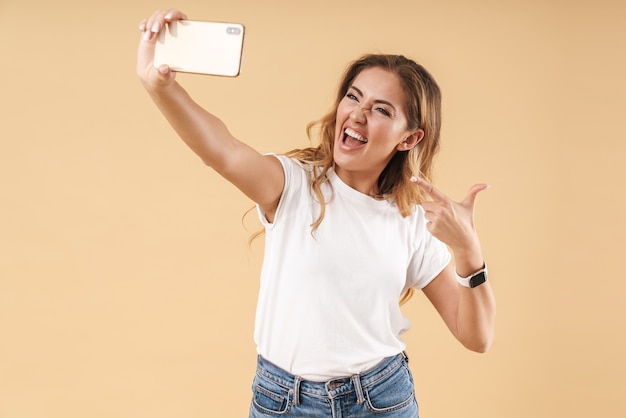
{"points": [[290, 163], [298, 175]]}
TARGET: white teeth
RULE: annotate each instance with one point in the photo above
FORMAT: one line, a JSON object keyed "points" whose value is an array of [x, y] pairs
{"points": [[355, 135]]}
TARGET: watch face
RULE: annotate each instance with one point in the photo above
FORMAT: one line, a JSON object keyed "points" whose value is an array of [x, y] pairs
{"points": [[478, 279]]}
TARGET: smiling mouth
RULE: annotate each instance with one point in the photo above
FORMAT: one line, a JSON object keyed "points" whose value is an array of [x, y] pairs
{"points": [[352, 136]]}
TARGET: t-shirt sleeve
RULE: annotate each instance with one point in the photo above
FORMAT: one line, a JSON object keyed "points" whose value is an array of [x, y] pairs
{"points": [[430, 256], [293, 174]]}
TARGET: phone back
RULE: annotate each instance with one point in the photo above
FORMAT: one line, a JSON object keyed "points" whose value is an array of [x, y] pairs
{"points": [[191, 46]]}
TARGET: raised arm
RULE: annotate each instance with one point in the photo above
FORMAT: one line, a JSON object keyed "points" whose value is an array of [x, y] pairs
{"points": [[468, 312], [260, 177]]}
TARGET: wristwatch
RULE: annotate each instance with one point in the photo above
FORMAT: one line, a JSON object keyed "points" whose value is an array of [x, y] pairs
{"points": [[474, 280]]}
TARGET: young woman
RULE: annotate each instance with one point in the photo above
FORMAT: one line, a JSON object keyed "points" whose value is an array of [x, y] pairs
{"points": [[352, 226]]}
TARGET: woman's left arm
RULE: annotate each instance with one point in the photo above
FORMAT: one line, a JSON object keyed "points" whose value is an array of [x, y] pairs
{"points": [[468, 312]]}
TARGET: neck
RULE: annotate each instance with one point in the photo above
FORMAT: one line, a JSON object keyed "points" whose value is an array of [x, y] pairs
{"points": [[361, 181]]}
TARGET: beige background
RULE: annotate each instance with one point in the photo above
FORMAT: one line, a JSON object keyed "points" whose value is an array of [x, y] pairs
{"points": [[127, 288]]}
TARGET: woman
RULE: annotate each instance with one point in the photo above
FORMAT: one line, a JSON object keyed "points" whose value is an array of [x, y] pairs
{"points": [[352, 225]]}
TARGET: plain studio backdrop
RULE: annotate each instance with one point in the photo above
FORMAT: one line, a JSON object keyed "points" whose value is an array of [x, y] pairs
{"points": [[128, 288]]}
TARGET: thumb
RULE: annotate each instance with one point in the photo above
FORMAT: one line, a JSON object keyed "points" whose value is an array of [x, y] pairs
{"points": [[160, 76], [470, 198], [165, 73]]}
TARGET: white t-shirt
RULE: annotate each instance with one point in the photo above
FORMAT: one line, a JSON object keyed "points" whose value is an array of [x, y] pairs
{"points": [[328, 301]]}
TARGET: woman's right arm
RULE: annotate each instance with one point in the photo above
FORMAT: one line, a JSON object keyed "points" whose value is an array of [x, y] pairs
{"points": [[260, 177]]}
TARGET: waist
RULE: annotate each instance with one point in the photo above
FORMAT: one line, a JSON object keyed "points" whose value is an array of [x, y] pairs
{"points": [[335, 386]]}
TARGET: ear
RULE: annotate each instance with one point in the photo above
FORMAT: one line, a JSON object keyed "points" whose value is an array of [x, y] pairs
{"points": [[411, 141]]}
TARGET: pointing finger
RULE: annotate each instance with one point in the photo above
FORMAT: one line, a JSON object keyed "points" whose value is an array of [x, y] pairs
{"points": [[431, 190]]}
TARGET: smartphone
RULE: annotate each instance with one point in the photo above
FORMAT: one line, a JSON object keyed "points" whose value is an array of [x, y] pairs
{"points": [[193, 46]]}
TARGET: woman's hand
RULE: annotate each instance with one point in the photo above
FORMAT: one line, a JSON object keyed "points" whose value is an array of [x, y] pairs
{"points": [[469, 313], [453, 223], [150, 76]]}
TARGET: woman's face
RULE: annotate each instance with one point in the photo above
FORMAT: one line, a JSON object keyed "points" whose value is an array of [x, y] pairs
{"points": [[371, 125]]}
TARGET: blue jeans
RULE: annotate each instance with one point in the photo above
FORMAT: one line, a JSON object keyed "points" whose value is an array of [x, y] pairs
{"points": [[385, 390]]}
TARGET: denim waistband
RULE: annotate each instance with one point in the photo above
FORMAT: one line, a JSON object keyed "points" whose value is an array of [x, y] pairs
{"points": [[333, 387]]}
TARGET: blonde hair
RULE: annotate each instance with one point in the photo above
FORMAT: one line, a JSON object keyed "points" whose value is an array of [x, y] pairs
{"points": [[423, 107]]}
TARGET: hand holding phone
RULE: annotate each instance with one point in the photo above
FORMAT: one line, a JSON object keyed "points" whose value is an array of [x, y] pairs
{"points": [[192, 46]]}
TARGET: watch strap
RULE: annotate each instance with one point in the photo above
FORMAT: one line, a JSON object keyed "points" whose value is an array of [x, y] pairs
{"points": [[474, 279]]}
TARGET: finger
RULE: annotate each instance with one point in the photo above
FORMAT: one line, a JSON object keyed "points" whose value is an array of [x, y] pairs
{"points": [[155, 23], [152, 20], [147, 35], [431, 190], [470, 198], [173, 15], [161, 17], [148, 25]]}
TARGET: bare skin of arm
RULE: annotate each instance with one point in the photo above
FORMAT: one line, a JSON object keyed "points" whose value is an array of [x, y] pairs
{"points": [[468, 313], [259, 177]]}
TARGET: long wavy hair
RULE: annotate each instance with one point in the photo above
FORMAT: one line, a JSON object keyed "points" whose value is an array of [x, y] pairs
{"points": [[423, 107]]}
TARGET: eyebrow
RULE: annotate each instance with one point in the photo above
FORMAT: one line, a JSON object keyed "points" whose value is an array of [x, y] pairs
{"points": [[376, 100]]}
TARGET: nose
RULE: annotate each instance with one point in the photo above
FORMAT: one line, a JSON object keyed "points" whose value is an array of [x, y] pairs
{"points": [[358, 114]]}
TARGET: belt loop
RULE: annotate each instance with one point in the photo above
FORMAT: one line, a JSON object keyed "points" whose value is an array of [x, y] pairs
{"points": [[356, 381], [406, 357], [296, 390]]}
